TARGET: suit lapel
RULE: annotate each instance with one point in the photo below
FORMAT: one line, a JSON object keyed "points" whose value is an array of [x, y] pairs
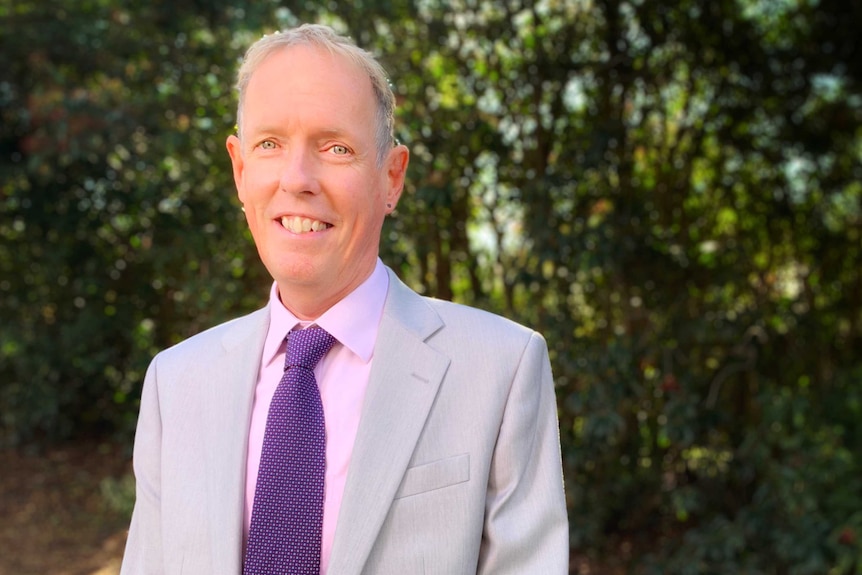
{"points": [[402, 386], [226, 410], [401, 389]]}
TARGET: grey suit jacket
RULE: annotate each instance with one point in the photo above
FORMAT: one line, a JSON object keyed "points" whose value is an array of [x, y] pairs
{"points": [[455, 469]]}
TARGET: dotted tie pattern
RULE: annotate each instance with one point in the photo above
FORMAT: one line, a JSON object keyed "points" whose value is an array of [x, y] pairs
{"points": [[287, 516]]}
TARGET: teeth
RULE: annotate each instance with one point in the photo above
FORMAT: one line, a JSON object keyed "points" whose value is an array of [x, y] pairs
{"points": [[299, 225]]}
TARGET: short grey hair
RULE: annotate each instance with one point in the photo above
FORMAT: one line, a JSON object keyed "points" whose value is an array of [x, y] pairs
{"points": [[320, 36]]}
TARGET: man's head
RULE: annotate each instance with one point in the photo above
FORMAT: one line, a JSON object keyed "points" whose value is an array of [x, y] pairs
{"points": [[310, 165], [324, 37]]}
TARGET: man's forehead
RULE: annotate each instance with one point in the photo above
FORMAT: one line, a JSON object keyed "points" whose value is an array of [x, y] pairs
{"points": [[310, 87], [294, 56], [304, 69]]}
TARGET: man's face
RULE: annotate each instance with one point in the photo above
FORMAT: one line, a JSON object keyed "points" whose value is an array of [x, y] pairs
{"points": [[306, 170]]}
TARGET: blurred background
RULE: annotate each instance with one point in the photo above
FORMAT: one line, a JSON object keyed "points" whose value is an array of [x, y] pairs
{"points": [[671, 192]]}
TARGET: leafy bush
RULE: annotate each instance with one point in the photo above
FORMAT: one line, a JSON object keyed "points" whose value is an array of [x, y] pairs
{"points": [[669, 192]]}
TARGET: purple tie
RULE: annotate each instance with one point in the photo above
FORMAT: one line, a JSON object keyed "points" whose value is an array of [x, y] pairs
{"points": [[287, 517]]}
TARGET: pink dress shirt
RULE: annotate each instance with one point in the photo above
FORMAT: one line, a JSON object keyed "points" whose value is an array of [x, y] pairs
{"points": [[342, 376]]}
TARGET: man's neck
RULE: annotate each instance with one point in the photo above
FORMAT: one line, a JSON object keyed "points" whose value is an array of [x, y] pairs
{"points": [[308, 303]]}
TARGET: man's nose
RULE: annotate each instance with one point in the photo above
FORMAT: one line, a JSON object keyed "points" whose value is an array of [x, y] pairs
{"points": [[298, 171]]}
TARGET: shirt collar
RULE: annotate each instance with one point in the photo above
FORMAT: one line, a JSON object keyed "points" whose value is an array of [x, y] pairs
{"points": [[353, 321]]}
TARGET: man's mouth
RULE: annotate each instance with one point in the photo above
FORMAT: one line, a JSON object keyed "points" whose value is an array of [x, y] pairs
{"points": [[299, 225]]}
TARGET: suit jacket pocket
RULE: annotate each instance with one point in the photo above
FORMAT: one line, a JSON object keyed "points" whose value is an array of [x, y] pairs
{"points": [[435, 475]]}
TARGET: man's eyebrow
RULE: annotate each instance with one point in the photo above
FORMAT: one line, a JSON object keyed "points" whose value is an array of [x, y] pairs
{"points": [[332, 133], [276, 129], [255, 132]]}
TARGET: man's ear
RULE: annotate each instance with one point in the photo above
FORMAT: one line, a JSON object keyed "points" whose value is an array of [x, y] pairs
{"points": [[396, 171], [234, 150]]}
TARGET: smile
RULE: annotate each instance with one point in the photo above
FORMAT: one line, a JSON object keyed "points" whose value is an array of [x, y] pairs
{"points": [[299, 225]]}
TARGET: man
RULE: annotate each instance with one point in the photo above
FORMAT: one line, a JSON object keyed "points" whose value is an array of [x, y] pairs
{"points": [[441, 446]]}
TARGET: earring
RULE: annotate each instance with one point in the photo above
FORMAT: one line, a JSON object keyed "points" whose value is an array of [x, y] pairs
{"points": [[389, 206]]}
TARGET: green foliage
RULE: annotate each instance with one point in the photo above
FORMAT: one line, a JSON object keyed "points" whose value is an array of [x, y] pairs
{"points": [[119, 231], [119, 494], [669, 192]]}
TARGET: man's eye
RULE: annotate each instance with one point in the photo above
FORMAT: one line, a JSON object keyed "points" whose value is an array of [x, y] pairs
{"points": [[339, 150], [267, 145]]}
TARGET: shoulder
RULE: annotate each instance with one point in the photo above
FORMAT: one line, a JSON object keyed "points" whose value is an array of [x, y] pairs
{"points": [[219, 338], [460, 315], [447, 324], [474, 331]]}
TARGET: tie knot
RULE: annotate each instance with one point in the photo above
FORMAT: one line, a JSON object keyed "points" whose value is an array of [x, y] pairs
{"points": [[306, 347]]}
